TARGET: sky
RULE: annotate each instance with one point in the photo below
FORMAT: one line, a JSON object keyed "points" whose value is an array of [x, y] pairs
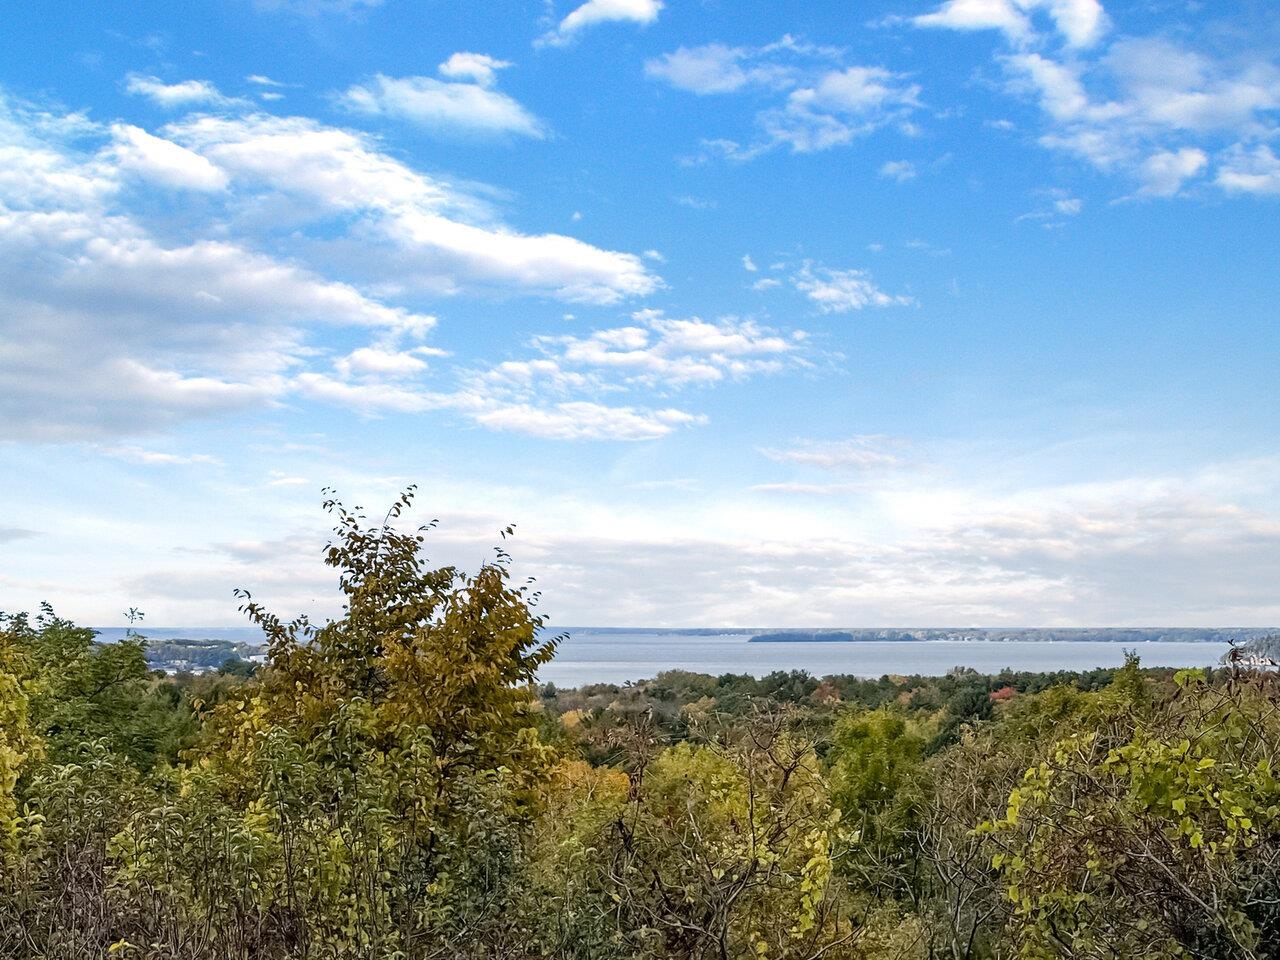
{"points": [[959, 312]]}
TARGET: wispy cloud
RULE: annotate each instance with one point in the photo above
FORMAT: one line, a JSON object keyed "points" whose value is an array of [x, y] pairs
{"points": [[842, 291], [162, 458], [823, 103], [317, 8], [858, 453], [899, 170], [1255, 170], [178, 96]]}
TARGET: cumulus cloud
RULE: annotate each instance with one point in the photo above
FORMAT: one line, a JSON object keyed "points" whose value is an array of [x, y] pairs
{"points": [[1080, 23], [595, 12], [477, 67], [162, 161], [1161, 107], [1153, 110], [1163, 174], [110, 328], [594, 387], [155, 334], [842, 291], [823, 107], [447, 105], [661, 351], [380, 361], [421, 226]]}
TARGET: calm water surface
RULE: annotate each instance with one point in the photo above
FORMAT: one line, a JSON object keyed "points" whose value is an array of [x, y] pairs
{"points": [[618, 657]]}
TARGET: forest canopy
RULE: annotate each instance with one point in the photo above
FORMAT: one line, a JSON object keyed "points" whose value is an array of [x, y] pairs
{"points": [[395, 783]]}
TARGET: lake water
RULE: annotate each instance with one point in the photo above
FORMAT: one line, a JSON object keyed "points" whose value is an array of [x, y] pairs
{"points": [[618, 656]]}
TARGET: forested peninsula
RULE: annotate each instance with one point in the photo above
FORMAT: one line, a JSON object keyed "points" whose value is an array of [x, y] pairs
{"points": [[396, 784]]}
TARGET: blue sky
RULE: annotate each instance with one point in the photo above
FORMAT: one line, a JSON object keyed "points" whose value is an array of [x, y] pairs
{"points": [[887, 313]]}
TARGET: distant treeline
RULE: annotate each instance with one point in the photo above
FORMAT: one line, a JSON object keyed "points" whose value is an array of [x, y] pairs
{"points": [[1123, 635], [177, 653]]}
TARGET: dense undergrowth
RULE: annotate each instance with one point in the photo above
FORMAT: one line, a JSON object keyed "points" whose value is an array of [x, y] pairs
{"points": [[394, 784]]}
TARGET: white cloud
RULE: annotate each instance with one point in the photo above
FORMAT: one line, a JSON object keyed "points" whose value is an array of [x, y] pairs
{"points": [[173, 96], [134, 454], [154, 334], [841, 291], [443, 105], [656, 352], [857, 453], [823, 108], [899, 170], [1163, 174], [1080, 22], [1149, 109], [107, 330], [1254, 171], [841, 106], [369, 398], [1171, 87], [260, 80], [381, 362], [413, 222], [978, 15], [162, 161], [716, 68], [748, 264], [583, 420], [478, 67], [572, 387], [595, 12]]}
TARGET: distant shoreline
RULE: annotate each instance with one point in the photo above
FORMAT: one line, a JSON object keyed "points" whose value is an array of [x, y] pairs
{"points": [[253, 636], [1020, 635]]}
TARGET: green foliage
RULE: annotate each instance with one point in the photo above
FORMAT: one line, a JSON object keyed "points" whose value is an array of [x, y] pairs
{"points": [[1152, 832], [726, 850]]}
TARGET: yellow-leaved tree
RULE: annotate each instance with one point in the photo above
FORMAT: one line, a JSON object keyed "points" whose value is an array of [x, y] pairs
{"points": [[370, 795]]}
